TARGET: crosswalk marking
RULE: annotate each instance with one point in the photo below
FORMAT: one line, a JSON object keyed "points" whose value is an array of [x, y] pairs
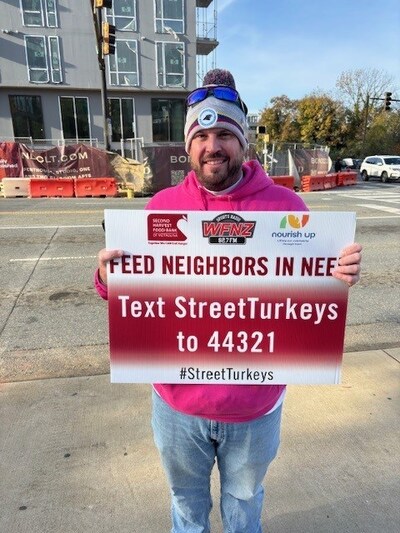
{"points": [[387, 209], [384, 201]]}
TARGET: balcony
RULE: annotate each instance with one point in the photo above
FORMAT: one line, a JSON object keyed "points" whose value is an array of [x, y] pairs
{"points": [[206, 27], [205, 45], [203, 3]]}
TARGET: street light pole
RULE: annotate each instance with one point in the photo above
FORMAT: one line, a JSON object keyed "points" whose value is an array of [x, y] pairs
{"points": [[365, 123], [98, 20]]}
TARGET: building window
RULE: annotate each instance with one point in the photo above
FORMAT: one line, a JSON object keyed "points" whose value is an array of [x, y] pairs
{"points": [[27, 116], [39, 13], [75, 117], [43, 59], [170, 64], [122, 119], [124, 64], [123, 15], [51, 13], [55, 65], [168, 117], [169, 16]]}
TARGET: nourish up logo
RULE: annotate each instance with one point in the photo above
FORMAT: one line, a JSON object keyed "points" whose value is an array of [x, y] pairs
{"points": [[291, 235], [293, 221]]}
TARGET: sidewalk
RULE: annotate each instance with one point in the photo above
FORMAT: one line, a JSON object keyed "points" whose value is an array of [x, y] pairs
{"points": [[77, 456]]}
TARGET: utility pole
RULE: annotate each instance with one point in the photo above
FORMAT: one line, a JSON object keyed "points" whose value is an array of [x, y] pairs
{"points": [[365, 123], [98, 25]]}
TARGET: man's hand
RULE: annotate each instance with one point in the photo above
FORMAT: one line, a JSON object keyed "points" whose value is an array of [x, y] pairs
{"points": [[104, 257], [349, 264]]}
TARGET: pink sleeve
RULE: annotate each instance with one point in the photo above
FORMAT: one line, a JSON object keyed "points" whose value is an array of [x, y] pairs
{"points": [[100, 287]]}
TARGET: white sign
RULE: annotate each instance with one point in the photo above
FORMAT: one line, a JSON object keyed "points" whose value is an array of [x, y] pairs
{"points": [[209, 297]]}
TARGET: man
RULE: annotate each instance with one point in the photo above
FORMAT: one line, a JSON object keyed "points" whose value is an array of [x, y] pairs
{"points": [[338, 164], [236, 425]]}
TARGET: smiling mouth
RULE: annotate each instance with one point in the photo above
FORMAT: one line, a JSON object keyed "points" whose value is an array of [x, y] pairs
{"points": [[215, 161]]}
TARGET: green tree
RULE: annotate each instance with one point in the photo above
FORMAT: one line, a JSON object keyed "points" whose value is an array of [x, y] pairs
{"points": [[321, 120], [383, 135], [317, 118], [353, 124], [280, 120]]}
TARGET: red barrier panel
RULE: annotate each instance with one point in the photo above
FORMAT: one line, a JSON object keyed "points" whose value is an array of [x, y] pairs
{"points": [[312, 183], [305, 183], [330, 181], [51, 188], [285, 181], [347, 178], [99, 187], [318, 183]]}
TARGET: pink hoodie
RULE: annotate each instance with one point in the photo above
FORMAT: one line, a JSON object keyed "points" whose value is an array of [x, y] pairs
{"points": [[256, 192]]}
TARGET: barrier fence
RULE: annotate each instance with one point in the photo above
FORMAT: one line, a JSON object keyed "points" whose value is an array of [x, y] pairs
{"points": [[329, 181], [51, 188], [59, 188], [107, 187]]}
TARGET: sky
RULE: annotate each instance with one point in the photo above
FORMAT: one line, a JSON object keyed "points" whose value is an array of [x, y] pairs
{"points": [[296, 47]]}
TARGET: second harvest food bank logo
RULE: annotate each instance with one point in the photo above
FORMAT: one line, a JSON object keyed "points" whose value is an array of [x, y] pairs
{"points": [[290, 226], [166, 228], [228, 228]]}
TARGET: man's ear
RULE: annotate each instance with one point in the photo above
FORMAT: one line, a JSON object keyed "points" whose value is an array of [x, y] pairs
{"points": [[246, 151]]}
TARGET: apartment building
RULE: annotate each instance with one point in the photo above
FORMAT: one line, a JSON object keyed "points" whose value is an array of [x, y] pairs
{"points": [[52, 90]]}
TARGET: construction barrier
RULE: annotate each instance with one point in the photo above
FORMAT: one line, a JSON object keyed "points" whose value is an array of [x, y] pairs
{"points": [[313, 183], [346, 178], [285, 181], [329, 181], [51, 188], [15, 187], [95, 187]]}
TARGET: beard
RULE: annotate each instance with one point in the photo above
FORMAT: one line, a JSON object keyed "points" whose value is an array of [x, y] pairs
{"points": [[223, 176]]}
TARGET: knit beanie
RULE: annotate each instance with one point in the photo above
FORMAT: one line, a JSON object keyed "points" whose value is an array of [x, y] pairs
{"points": [[215, 113]]}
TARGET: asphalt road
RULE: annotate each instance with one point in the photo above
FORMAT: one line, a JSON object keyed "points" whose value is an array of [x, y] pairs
{"points": [[53, 324]]}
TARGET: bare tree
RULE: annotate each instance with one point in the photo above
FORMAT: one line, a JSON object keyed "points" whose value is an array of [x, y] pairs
{"points": [[356, 86]]}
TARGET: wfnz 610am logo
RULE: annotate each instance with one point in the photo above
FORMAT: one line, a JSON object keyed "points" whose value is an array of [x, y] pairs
{"points": [[291, 232]]}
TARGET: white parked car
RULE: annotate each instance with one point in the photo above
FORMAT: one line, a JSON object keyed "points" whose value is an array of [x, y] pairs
{"points": [[384, 167]]}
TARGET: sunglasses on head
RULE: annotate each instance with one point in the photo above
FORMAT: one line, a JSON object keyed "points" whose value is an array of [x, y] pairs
{"points": [[222, 92]]}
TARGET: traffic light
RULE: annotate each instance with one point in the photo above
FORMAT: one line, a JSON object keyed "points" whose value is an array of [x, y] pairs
{"points": [[388, 101], [261, 130], [108, 38], [103, 3]]}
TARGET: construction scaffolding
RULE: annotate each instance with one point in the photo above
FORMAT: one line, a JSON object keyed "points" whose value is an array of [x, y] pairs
{"points": [[206, 32]]}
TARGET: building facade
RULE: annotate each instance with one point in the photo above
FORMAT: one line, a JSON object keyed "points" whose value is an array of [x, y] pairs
{"points": [[52, 90]]}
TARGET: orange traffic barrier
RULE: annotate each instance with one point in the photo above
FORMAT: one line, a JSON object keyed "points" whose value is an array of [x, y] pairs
{"points": [[318, 183], [99, 187], [285, 181], [51, 188], [312, 183], [347, 178], [330, 181]]}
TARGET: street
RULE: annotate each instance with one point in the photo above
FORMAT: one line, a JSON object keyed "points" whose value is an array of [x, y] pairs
{"points": [[78, 453], [53, 324]]}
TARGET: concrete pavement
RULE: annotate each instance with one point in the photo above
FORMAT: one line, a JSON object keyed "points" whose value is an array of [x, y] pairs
{"points": [[77, 456]]}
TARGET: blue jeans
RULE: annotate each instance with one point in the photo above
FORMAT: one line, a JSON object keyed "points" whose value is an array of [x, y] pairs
{"points": [[189, 446]]}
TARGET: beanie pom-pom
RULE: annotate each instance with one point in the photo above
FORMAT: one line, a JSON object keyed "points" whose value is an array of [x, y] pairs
{"points": [[219, 76]]}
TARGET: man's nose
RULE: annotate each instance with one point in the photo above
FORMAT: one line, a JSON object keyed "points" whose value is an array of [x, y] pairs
{"points": [[213, 144]]}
